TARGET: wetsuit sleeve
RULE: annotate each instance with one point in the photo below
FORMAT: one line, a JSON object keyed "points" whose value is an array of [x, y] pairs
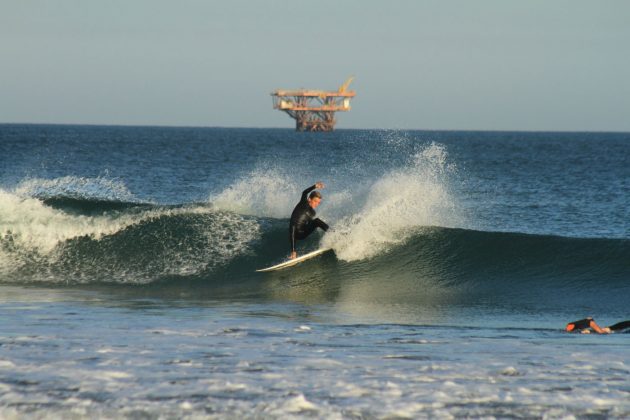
{"points": [[321, 224], [306, 191]]}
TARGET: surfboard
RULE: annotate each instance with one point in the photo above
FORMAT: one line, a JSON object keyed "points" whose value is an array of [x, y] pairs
{"points": [[295, 261]]}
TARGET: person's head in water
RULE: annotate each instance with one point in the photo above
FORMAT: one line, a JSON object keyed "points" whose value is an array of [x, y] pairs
{"points": [[314, 199]]}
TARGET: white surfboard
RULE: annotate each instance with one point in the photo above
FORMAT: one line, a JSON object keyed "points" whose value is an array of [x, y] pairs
{"points": [[295, 261]]}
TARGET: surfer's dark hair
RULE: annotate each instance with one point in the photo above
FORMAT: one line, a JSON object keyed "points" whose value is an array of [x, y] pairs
{"points": [[315, 194]]}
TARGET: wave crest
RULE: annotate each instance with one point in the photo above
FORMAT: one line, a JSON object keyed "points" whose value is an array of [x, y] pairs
{"points": [[99, 189], [397, 204], [129, 245]]}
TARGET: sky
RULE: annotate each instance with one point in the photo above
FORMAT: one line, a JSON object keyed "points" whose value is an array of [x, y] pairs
{"points": [[535, 65]]}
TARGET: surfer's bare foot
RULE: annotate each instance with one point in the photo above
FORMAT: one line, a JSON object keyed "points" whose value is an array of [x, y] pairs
{"points": [[293, 255]]}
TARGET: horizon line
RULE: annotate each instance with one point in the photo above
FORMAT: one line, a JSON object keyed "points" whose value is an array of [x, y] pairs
{"points": [[336, 129]]}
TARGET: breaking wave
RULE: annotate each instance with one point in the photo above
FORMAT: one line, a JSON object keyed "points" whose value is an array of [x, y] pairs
{"points": [[402, 237]]}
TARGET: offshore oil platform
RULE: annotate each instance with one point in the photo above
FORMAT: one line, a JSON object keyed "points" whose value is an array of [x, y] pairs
{"points": [[313, 110]]}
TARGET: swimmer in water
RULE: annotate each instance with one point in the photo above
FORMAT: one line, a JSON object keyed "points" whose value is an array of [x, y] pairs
{"points": [[585, 326], [303, 220]]}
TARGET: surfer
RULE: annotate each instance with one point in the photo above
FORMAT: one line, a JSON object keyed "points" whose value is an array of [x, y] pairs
{"points": [[585, 326], [303, 220]]}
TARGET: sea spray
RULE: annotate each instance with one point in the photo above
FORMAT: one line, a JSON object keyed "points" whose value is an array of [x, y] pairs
{"points": [[264, 192], [402, 200], [368, 214]]}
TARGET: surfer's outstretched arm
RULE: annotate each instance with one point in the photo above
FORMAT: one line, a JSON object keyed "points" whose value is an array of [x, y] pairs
{"points": [[318, 186], [598, 329]]}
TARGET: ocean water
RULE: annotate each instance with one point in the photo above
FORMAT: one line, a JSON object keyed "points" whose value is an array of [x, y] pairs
{"points": [[128, 285]]}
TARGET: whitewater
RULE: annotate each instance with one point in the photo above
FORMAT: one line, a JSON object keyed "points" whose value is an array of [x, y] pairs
{"points": [[128, 285]]}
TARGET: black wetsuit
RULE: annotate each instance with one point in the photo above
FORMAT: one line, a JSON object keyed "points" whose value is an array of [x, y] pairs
{"points": [[621, 326], [303, 220], [584, 324]]}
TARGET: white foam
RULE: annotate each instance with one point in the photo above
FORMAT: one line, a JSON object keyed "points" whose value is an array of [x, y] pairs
{"points": [[186, 405], [510, 371], [396, 205], [368, 217], [270, 192], [6, 364], [35, 226], [298, 404], [112, 375], [99, 188], [262, 192]]}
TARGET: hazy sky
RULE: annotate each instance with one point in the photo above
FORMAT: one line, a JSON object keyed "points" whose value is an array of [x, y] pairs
{"points": [[483, 64]]}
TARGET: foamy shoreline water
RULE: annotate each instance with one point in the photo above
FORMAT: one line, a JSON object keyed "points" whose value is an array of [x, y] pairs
{"points": [[251, 359]]}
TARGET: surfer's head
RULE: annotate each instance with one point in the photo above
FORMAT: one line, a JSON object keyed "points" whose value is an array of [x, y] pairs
{"points": [[314, 199]]}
